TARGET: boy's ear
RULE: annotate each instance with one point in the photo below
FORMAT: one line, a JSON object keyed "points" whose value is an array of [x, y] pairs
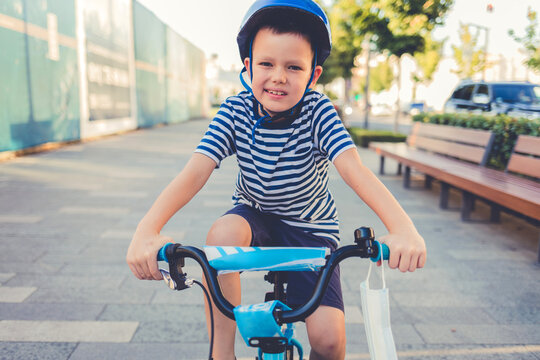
{"points": [[246, 64], [316, 75]]}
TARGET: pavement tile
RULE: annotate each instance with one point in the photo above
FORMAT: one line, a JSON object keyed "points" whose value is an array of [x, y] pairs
{"points": [[60, 311], [91, 295], [153, 312], [91, 269], [25, 268], [36, 350], [436, 299], [193, 296], [4, 277], [67, 331], [403, 334], [9, 294], [69, 282], [120, 194], [447, 315], [140, 351], [480, 334], [353, 315], [20, 219], [171, 331], [105, 211], [515, 314], [458, 351]]}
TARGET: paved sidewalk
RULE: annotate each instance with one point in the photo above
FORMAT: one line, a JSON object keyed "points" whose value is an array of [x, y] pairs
{"points": [[66, 219]]}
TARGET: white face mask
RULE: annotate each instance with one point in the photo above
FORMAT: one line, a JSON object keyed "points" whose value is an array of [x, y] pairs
{"points": [[376, 312]]}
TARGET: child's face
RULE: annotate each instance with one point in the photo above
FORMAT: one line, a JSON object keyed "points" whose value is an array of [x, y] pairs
{"points": [[282, 65]]}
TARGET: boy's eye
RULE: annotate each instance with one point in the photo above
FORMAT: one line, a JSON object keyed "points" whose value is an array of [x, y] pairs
{"points": [[294, 67], [265, 63]]}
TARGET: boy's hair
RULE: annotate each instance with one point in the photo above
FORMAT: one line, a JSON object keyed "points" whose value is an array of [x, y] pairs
{"points": [[287, 23]]}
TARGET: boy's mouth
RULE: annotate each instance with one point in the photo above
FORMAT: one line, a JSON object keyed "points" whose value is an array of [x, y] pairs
{"points": [[276, 92]]}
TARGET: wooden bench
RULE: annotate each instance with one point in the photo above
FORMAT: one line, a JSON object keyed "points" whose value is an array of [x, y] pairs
{"points": [[457, 156]]}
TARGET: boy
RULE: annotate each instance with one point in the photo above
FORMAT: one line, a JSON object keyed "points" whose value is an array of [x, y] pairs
{"points": [[284, 136]]}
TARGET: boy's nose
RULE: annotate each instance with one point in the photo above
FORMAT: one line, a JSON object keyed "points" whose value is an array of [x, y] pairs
{"points": [[279, 76]]}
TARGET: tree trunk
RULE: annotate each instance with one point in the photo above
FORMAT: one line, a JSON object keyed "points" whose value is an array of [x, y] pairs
{"points": [[398, 110], [366, 89]]}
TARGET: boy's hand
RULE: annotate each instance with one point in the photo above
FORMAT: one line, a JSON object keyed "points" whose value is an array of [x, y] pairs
{"points": [[142, 254], [407, 251]]}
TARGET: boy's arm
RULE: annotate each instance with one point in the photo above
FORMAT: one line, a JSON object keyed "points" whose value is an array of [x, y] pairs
{"points": [[147, 240], [407, 247]]}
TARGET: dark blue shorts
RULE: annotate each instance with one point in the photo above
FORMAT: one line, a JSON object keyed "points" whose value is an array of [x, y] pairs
{"points": [[268, 230]]}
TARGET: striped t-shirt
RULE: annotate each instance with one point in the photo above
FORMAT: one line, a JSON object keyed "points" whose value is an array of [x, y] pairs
{"points": [[283, 165]]}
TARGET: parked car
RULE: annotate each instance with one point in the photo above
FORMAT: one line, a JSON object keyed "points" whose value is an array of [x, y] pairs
{"points": [[514, 98], [415, 108]]}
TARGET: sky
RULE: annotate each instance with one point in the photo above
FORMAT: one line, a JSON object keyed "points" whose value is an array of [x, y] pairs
{"points": [[212, 25]]}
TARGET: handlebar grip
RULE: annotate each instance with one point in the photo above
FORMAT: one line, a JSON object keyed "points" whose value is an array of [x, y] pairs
{"points": [[385, 252], [161, 255]]}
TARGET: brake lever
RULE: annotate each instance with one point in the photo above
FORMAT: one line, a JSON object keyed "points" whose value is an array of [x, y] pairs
{"points": [[172, 284], [176, 279]]}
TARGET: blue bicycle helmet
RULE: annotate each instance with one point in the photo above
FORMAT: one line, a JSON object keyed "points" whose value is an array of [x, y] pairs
{"points": [[307, 9]]}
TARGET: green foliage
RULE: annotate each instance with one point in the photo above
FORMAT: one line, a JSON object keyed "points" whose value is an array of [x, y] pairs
{"points": [[408, 22], [397, 26], [363, 137], [531, 41], [428, 60], [380, 78], [469, 57], [506, 130], [347, 40]]}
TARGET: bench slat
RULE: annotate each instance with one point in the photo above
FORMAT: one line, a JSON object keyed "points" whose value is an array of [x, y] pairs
{"points": [[462, 151], [528, 145], [525, 165], [463, 135], [511, 191]]}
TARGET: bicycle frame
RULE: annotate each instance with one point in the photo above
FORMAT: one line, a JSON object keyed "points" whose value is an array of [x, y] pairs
{"points": [[273, 314]]}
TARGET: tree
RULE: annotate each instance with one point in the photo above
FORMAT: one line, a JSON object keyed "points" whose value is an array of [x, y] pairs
{"points": [[408, 23], [427, 62], [531, 41], [347, 40], [470, 58], [396, 26]]}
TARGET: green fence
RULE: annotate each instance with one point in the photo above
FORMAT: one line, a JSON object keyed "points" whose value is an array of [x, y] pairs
{"points": [[169, 72], [41, 83], [39, 88]]}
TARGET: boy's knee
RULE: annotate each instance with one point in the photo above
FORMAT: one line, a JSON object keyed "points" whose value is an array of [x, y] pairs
{"points": [[229, 230], [326, 332], [328, 345]]}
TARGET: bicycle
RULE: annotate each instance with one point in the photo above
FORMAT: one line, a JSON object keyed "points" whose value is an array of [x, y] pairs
{"points": [[260, 323]]}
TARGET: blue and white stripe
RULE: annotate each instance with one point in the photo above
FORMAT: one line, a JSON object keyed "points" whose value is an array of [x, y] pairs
{"points": [[228, 259], [284, 167]]}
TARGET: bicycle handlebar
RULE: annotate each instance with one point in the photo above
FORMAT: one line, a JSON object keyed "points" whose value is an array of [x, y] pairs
{"points": [[175, 254]]}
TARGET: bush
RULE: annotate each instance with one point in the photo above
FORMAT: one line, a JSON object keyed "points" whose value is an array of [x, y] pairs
{"points": [[363, 137], [506, 131]]}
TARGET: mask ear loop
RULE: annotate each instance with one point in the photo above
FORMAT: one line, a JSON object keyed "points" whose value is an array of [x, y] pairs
{"points": [[382, 269]]}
